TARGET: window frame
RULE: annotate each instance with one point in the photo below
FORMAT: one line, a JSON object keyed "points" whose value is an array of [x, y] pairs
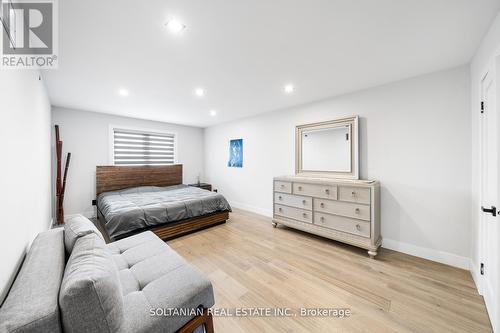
{"points": [[111, 140]]}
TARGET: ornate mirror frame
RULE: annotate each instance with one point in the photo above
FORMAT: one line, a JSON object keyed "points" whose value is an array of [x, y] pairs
{"points": [[353, 124]]}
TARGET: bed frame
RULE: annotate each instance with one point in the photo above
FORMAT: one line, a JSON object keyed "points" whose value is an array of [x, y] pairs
{"points": [[113, 178]]}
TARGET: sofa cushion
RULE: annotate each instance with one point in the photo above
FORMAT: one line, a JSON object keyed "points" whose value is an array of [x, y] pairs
{"points": [[90, 298], [153, 276], [32, 303], [76, 227]]}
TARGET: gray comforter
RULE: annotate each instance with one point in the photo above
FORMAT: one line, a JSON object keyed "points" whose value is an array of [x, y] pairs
{"points": [[147, 206]]}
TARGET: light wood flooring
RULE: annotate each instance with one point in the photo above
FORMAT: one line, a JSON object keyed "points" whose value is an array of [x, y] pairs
{"points": [[251, 264]]}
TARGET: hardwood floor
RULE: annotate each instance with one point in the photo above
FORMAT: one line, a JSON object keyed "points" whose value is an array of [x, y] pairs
{"points": [[251, 264]]}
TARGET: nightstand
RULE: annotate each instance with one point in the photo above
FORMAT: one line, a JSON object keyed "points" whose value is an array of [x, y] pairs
{"points": [[204, 186]]}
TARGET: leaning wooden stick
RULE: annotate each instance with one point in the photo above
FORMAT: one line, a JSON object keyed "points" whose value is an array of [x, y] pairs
{"points": [[58, 156], [63, 189], [58, 173], [66, 167], [60, 185]]}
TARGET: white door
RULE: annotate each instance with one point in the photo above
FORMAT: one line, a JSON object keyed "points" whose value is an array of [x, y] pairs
{"points": [[489, 237]]}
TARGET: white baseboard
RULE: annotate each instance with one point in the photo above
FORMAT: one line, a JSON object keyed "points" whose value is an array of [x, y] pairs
{"points": [[417, 251], [426, 253], [253, 209], [422, 252]]}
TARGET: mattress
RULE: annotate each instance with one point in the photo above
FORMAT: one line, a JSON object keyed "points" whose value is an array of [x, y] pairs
{"points": [[143, 207]]}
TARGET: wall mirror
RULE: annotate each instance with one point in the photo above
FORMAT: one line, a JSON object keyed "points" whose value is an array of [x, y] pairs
{"points": [[328, 148]]}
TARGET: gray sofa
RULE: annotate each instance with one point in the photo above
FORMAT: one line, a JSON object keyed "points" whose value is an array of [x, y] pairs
{"points": [[71, 281]]}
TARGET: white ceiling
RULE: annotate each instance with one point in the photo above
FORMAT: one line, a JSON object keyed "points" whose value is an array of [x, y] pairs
{"points": [[242, 52]]}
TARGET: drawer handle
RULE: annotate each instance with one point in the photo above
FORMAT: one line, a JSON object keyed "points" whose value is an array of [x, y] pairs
{"points": [[322, 219], [280, 197], [304, 214], [280, 209], [358, 227], [353, 193], [322, 205], [304, 202], [300, 188], [357, 210], [282, 186], [327, 191]]}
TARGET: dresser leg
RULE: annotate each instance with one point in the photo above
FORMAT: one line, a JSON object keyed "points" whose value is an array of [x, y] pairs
{"points": [[372, 254], [275, 224]]}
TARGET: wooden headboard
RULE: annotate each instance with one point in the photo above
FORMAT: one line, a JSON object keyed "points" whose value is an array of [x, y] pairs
{"points": [[113, 178]]}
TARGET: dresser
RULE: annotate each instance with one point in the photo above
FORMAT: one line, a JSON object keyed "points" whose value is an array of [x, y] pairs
{"points": [[340, 209]]}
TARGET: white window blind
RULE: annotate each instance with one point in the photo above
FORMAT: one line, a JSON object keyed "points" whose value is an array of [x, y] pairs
{"points": [[142, 148]]}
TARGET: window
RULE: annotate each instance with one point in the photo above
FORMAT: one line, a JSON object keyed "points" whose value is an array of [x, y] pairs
{"points": [[132, 147]]}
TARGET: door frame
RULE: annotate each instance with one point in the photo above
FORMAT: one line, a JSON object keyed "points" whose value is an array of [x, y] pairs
{"points": [[482, 219], [491, 70]]}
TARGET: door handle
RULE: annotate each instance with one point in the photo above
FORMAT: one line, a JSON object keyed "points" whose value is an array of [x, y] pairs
{"points": [[492, 210]]}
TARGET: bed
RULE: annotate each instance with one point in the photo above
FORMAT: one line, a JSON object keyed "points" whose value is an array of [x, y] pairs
{"points": [[134, 199]]}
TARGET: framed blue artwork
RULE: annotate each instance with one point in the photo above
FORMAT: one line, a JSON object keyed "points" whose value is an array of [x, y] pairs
{"points": [[235, 153]]}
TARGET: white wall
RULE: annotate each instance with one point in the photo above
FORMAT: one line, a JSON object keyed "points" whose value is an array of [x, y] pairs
{"points": [[86, 136], [415, 137], [25, 167], [483, 61]]}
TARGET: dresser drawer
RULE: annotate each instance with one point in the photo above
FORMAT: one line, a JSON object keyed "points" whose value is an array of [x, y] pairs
{"points": [[284, 187], [353, 210], [293, 200], [293, 213], [345, 224], [316, 190], [354, 194]]}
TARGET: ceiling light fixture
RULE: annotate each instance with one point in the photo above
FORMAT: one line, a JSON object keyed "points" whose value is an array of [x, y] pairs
{"points": [[175, 26], [199, 92], [289, 88], [123, 92], [213, 113]]}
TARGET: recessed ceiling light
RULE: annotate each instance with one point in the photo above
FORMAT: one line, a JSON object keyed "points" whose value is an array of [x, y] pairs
{"points": [[199, 92], [289, 88], [213, 113], [175, 26], [123, 92]]}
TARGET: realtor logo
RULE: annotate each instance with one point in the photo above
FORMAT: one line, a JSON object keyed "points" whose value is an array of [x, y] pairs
{"points": [[29, 34]]}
